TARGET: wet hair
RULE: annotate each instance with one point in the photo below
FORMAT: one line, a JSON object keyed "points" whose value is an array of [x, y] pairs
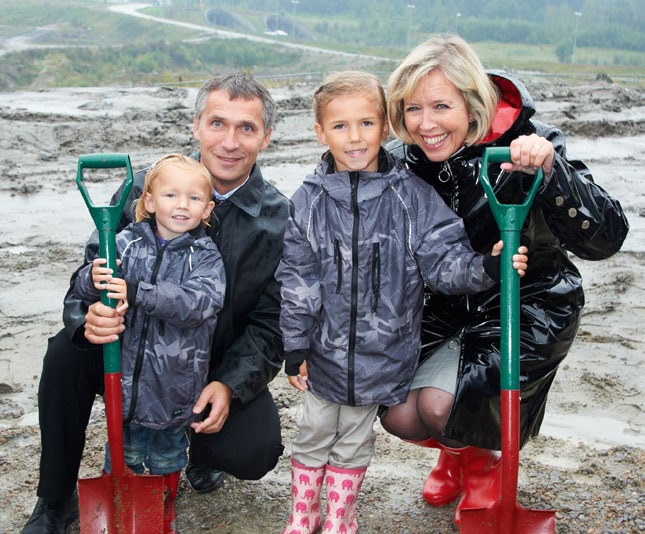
{"points": [[178, 160], [349, 82], [461, 66], [238, 85]]}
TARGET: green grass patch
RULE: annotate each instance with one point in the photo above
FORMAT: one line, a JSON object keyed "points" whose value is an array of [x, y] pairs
{"points": [[81, 23], [94, 46]]}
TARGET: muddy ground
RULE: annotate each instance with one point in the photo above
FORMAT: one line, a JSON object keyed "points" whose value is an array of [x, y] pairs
{"points": [[588, 462]]}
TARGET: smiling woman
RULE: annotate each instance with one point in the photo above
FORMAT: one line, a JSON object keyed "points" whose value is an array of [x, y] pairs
{"points": [[448, 111]]}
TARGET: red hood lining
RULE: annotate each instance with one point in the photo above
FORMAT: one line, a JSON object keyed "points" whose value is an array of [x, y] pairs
{"points": [[508, 109]]}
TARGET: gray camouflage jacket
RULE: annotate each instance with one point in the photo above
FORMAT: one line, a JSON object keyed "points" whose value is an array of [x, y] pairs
{"points": [[357, 250], [175, 293]]}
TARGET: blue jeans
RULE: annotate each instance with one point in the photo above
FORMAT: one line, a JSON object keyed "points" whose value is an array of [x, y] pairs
{"points": [[161, 451]]}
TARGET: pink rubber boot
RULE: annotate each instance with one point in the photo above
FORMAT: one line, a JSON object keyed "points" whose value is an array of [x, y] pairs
{"points": [[343, 486], [305, 499]]}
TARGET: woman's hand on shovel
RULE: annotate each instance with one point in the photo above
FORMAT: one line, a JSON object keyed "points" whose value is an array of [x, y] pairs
{"points": [[528, 153]]}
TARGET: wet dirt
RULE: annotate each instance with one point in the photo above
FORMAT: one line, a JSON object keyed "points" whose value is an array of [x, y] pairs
{"points": [[588, 462]]}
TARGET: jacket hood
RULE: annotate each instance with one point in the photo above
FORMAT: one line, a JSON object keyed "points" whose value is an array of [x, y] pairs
{"points": [[372, 184], [514, 108]]}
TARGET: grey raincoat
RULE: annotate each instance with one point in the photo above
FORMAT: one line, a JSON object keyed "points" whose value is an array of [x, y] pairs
{"points": [[175, 293], [357, 250]]}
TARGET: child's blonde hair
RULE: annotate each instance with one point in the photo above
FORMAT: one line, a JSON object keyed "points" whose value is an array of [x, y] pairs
{"points": [[348, 82], [153, 173]]}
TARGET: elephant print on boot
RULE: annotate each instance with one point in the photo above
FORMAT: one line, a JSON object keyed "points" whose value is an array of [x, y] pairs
{"points": [[341, 500], [305, 499]]}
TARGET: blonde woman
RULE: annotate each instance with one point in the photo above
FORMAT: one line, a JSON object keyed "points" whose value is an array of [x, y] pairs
{"points": [[446, 109]]}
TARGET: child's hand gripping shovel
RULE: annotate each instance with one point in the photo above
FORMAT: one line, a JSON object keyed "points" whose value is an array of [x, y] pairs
{"points": [[506, 516], [118, 502]]}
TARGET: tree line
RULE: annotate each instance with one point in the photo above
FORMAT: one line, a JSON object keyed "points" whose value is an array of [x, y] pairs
{"points": [[592, 23]]}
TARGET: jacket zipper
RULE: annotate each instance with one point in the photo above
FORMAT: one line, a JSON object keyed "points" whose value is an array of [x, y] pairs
{"points": [[351, 397], [138, 365]]}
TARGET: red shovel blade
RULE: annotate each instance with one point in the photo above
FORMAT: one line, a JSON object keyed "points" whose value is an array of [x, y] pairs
{"points": [[515, 520], [120, 502], [506, 516], [124, 504]]}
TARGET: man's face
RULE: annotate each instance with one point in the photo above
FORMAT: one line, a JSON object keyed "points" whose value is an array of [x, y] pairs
{"points": [[231, 135]]}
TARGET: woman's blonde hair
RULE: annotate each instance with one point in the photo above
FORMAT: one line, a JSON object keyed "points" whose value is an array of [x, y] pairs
{"points": [[179, 160], [461, 66], [348, 82]]}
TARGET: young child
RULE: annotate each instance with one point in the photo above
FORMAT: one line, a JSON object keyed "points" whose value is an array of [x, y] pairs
{"points": [[364, 234], [172, 283]]}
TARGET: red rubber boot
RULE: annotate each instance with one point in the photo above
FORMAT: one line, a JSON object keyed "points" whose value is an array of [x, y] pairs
{"points": [[171, 485], [443, 484], [481, 471]]}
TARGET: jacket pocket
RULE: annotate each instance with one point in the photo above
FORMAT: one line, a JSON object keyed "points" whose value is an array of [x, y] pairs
{"points": [[376, 275], [338, 261]]}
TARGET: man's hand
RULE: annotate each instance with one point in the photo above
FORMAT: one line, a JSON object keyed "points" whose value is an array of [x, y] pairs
{"points": [[219, 396], [103, 324]]}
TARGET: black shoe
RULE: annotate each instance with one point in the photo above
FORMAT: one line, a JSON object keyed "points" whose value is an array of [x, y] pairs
{"points": [[203, 479], [52, 517]]}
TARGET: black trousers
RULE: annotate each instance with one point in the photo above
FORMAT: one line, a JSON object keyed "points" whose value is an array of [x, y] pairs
{"points": [[248, 446]]}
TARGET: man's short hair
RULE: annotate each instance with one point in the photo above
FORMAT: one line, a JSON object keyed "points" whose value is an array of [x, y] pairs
{"points": [[238, 84]]}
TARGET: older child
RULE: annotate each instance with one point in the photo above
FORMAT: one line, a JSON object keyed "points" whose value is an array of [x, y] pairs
{"points": [[172, 284], [364, 234]]}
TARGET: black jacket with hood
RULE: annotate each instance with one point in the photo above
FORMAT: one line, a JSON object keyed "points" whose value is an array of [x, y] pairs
{"points": [[571, 213]]}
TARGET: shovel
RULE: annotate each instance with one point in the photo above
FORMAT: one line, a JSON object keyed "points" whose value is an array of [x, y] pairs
{"points": [[118, 502], [506, 516]]}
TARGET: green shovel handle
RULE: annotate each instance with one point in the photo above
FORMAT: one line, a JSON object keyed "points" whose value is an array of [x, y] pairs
{"points": [[106, 219], [510, 219], [508, 216]]}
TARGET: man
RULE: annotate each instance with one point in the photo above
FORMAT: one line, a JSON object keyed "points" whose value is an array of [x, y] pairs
{"points": [[239, 429]]}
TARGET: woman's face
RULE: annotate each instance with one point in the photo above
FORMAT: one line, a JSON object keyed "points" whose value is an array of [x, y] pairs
{"points": [[436, 116]]}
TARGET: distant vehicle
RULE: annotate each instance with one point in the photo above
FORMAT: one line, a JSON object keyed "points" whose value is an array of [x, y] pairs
{"points": [[279, 33]]}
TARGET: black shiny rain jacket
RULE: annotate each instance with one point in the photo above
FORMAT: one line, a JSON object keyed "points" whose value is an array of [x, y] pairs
{"points": [[570, 213]]}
